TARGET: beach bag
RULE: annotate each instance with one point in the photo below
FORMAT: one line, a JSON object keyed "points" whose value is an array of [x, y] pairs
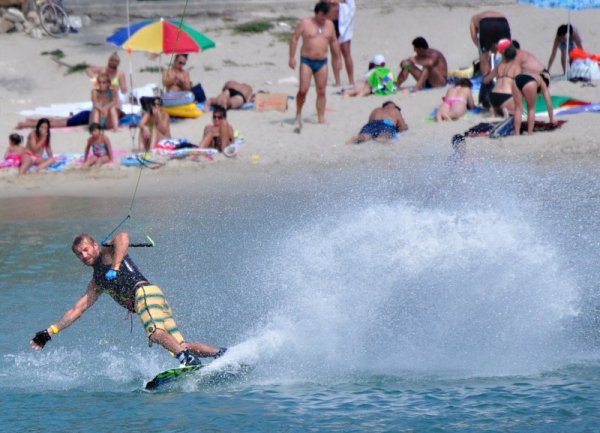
{"points": [[199, 93], [581, 70]]}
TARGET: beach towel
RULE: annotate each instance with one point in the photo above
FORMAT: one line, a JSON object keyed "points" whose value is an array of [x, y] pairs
{"points": [[559, 103], [70, 109], [506, 128], [590, 108], [346, 20], [382, 81]]}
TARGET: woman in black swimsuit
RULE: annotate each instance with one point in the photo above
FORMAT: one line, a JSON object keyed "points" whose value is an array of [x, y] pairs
{"points": [[501, 96], [528, 86]]}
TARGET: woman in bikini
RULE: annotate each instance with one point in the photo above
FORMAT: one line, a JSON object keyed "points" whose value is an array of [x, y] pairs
{"points": [[501, 97], [117, 79], [105, 104], [527, 86], [38, 152], [154, 126], [456, 101]]}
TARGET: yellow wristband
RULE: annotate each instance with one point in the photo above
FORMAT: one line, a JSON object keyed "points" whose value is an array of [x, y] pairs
{"points": [[55, 330]]}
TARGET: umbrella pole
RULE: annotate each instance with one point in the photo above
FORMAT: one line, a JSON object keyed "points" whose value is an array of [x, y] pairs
{"points": [[567, 62], [131, 97]]}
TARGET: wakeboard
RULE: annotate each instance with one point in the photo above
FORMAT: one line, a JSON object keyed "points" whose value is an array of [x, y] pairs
{"points": [[213, 377], [171, 375]]}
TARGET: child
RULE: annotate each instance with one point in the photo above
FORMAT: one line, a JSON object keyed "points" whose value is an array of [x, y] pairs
{"points": [[12, 156], [100, 146], [456, 101]]}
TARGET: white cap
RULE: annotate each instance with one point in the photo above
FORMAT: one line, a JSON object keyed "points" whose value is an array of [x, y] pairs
{"points": [[378, 60]]}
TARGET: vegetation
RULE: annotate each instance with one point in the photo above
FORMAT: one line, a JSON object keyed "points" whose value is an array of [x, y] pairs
{"points": [[253, 27], [79, 67]]}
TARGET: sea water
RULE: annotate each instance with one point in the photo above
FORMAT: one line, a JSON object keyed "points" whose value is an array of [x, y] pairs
{"points": [[423, 296]]}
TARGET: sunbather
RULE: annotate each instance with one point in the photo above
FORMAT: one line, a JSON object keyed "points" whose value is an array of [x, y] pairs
{"points": [[378, 80], [38, 152], [433, 71], [105, 110], [155, 125], [501, 98], [220, 133], [117, 79], [14, 151], [100, 147], [233, 95], [458, 98], [384, 124]]}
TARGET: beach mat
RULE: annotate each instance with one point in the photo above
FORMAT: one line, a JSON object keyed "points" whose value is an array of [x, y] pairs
{"points": [[505, 128]]}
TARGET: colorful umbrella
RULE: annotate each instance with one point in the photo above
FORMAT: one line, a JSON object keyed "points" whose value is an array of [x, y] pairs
{"points": [[162, 36], [570, 5]]}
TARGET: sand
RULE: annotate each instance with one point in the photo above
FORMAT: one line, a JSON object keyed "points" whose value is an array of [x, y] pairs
{"points": [[29, 79]]}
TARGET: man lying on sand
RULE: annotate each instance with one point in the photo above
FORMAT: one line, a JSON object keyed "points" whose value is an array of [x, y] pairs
{"points": [[384, 124]]}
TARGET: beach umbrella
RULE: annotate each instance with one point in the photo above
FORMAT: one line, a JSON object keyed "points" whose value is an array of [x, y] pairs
{"points": [[569, 5], [161, 36]]}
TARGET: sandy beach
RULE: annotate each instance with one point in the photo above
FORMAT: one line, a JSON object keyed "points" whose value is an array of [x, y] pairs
{"points": [[271, 148]]}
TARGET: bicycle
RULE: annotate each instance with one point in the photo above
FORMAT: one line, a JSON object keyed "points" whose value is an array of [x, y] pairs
{"points": [[53, 18]]}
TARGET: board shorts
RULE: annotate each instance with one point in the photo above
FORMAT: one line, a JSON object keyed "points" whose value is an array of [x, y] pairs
{"points": [[154, 312], [382, 127], [491, 30]]}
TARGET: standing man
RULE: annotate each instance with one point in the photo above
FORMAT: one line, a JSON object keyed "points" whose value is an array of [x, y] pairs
{"points": [[318, 35], [487, 28], [434, 72], [116, 274]]}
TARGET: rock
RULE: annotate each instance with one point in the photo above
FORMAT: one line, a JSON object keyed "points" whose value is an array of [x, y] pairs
{"points": [[14, 15], [75, 22], [6, 25], [86, 21]]}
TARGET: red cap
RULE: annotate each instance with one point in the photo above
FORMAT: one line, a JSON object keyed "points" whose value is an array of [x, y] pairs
{"points": [[503, 44]]}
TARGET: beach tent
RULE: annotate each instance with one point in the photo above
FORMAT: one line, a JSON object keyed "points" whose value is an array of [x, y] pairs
{"points": [[569, 5]]}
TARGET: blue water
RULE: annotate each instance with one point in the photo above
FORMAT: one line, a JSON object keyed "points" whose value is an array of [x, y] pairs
{"points": [[419, 297]]}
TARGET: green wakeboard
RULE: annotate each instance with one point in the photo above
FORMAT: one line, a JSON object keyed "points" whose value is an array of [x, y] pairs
{"points": [[171, 375], [228, 373]]}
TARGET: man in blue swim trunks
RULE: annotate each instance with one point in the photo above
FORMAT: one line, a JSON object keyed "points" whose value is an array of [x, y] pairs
{"points": [[318, 36], [384, 124]]}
